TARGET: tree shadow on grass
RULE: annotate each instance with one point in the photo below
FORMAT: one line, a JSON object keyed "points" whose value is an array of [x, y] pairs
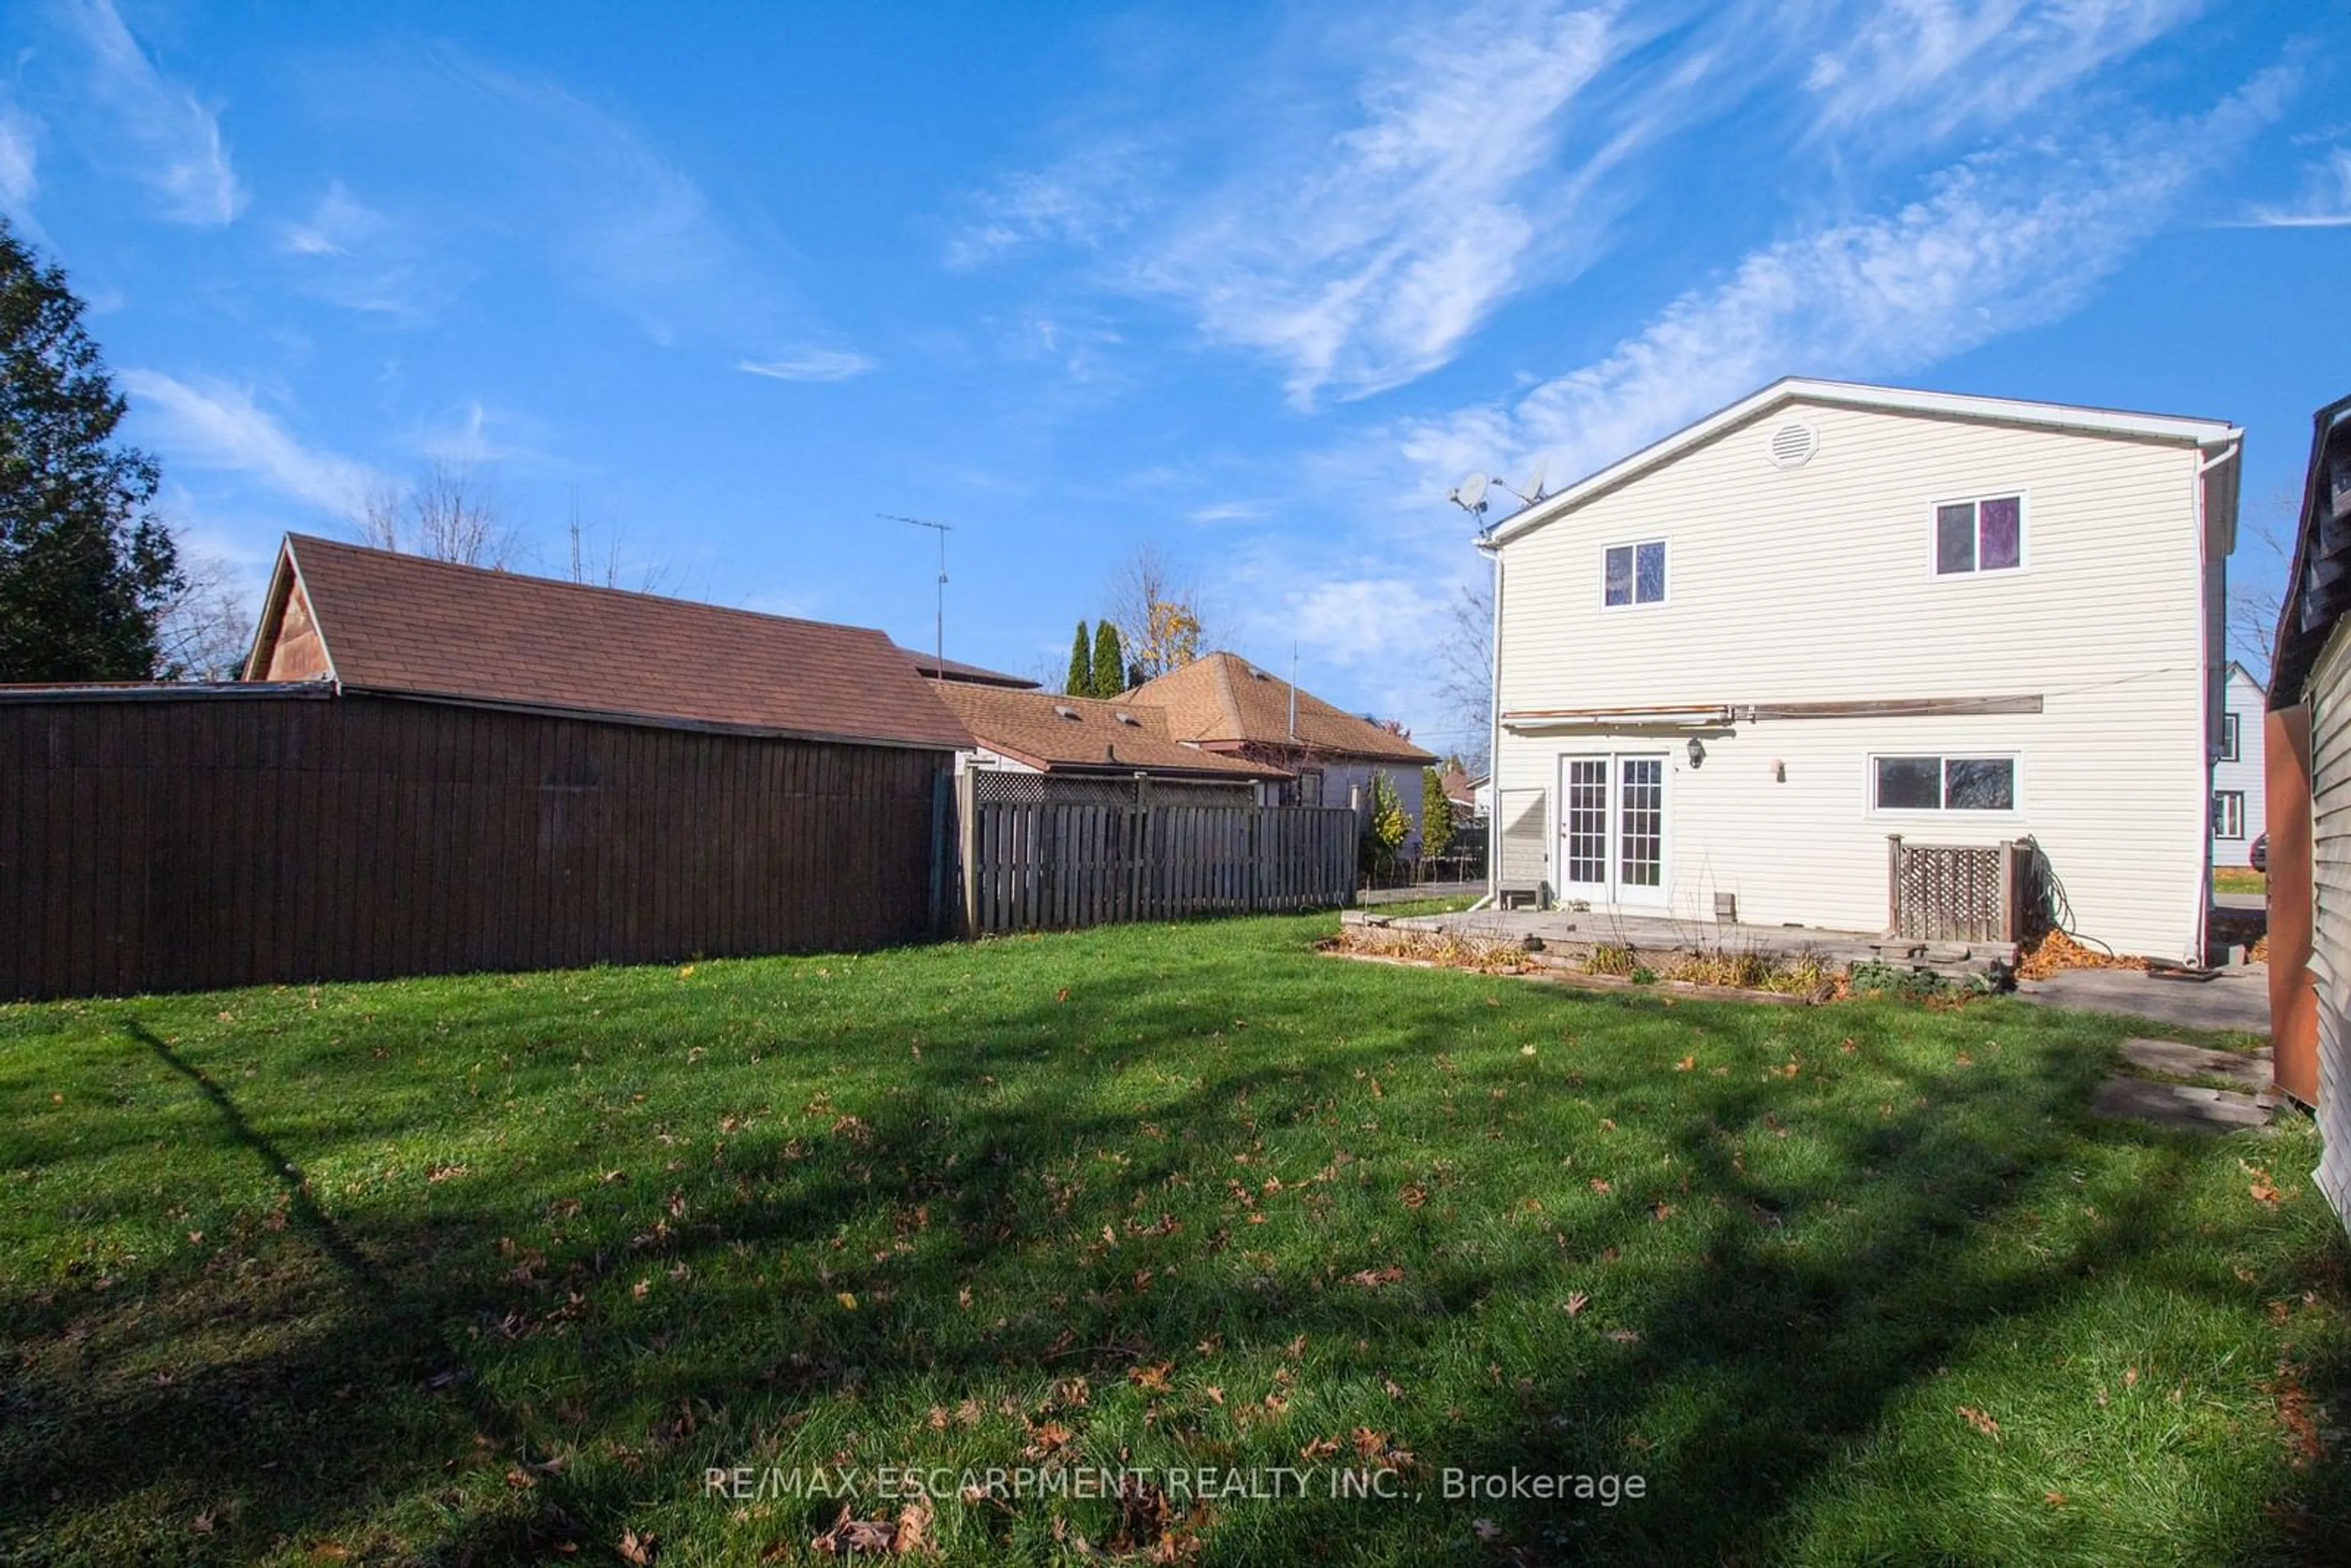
{"points": [[508, 1401]]}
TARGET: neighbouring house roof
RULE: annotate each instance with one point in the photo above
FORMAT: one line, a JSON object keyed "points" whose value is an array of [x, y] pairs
{"points": [[1072, 735], [956, 670], [1221, 700], [2158, 427], [1459, 787], [374, 621]]}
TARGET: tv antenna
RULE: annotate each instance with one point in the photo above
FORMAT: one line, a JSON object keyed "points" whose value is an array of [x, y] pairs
{"points": [[939, 655]]}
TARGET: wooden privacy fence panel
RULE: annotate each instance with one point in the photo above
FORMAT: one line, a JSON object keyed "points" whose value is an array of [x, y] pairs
{"points": [[1956, 892], [177, 842], [1039, 865]]}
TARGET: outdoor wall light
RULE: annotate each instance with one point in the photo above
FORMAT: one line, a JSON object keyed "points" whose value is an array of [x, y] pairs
{"points": [[1696, 752]]}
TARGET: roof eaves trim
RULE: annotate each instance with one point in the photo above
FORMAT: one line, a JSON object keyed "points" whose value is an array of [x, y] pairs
{"points": [[2200, 432]]}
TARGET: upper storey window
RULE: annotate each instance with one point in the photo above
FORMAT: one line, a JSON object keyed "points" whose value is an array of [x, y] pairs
{"points": [[1634, 574], [1984, 534]]}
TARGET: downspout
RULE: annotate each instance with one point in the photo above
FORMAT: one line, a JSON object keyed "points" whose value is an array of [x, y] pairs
{"points": [[1493, 734], [2207, 694]]}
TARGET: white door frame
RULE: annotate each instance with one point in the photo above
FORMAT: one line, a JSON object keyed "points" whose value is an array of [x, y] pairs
{"points": [[1610, 888]]}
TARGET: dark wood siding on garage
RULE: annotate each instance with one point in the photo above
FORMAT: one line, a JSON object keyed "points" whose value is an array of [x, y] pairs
{"points": [[177, 842]]}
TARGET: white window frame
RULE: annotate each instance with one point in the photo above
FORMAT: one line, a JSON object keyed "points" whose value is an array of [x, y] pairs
{"points": [[2023, 500], [1663, 542], [2232, 740], [1947, 813], [2239, 797]]}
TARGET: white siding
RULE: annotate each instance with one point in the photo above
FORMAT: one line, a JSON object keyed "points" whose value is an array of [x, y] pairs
{"points": [[1818, 584], [2244, 775], [2330, 871]]}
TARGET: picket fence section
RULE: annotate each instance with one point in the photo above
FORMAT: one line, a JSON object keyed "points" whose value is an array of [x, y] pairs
{"points": [[1044, 865]]}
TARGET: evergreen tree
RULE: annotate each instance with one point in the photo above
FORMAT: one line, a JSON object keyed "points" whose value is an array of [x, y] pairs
{"points": [[1385, 827], [1436, 815], [1110, 660], [86, 568], [1081, 666]]}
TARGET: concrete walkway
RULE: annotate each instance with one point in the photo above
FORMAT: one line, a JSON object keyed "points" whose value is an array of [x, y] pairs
{"points": [[2237, 999]]}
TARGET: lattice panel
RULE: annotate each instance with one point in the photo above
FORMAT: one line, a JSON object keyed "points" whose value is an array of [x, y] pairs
{"points": [[1949, 893], [1004, 786]]}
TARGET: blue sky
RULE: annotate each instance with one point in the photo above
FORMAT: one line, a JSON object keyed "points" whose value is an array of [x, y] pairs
{"points": [[1255, 284]]}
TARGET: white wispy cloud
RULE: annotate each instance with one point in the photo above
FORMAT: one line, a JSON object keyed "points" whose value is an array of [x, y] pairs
{"points": [[19, 157], [337, 223], [175, 137], [813, 365], [1229, 511], [2325, 203], [1369, 266], [2006, 240], [212, 424], [1949, 64], [1358, 621], [1360, 239], [1084, 200]]}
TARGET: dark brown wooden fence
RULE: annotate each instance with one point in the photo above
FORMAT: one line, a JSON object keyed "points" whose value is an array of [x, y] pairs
{"points": [[168, 842], [1037, 865]]}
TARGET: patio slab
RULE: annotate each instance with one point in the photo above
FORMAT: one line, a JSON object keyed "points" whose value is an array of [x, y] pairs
{"points": [[1576, 931], [2236, 999], [2249, 1071], [2178, 1105]]}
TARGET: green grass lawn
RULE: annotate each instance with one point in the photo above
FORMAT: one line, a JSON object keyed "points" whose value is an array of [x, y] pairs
{"points": [[497, 1269], [2238, 879]]}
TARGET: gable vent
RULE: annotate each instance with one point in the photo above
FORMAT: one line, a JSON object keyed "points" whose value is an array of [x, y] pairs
{"points": [[1793, 446]]}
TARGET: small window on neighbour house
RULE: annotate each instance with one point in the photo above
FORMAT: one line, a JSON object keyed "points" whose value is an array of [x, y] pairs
{"points": [[1979, 535], [2229, 738], [1946, 784], [1634, 574], [2227, 813]]}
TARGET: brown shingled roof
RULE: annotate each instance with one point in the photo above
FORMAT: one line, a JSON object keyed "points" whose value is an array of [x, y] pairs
{"points": [[1222, 699], [1062, 734], [402, 623], [956, 670]]}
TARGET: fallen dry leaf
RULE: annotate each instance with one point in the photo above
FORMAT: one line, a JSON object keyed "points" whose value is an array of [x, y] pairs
{"points": [[1980, 1421], [1576, 1301], [2053, 1498], [634, 1548], [1369, 1276]]}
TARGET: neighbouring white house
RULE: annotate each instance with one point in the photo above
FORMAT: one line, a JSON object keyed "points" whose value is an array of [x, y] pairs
{"points": [[2239, 791], [1733, 666]]}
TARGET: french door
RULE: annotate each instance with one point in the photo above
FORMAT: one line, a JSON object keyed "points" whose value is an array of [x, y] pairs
{"points": [[1611, 828]]}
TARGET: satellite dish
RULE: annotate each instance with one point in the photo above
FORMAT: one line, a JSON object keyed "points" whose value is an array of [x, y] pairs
{"points": [[1535, 480], [1472, 492]]}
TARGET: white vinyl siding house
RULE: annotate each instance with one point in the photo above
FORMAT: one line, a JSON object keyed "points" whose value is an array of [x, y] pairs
{"points": [[1960, 620], [2238, 809]]}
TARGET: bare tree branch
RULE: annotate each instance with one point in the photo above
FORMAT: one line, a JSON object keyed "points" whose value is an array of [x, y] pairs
{"points": [[206, 631], [1466, 671], [1158, 617], [2254, 606], [447, 514]]}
